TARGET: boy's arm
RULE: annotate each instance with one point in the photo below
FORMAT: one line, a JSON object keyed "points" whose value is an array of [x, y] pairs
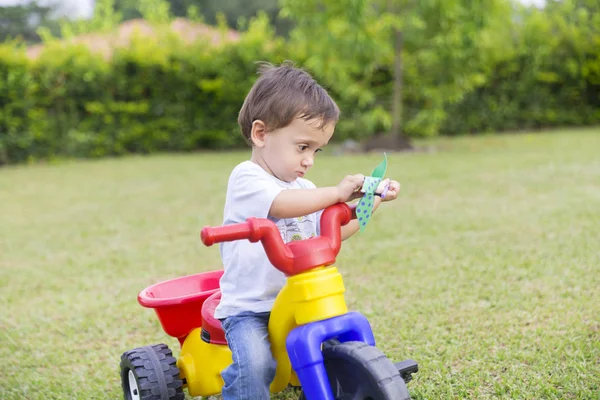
{"points": [[352, 227], [300, 202]]}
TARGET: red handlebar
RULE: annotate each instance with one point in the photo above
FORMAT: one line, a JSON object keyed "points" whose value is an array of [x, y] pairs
{"points": [[227, 233], [294, 257]]}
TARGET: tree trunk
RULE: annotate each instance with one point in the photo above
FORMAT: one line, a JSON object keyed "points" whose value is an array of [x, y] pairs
{"points": [[395, 140], [397, 90]]}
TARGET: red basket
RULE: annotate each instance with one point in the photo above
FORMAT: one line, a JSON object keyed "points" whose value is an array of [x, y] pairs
{"points": [[178, 302]]}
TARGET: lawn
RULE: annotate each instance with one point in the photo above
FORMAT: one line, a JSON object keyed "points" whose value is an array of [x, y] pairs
{"points": [[485, 270]]}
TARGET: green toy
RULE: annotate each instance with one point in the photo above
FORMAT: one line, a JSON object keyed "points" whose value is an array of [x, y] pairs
{"points": [[364, 209]]}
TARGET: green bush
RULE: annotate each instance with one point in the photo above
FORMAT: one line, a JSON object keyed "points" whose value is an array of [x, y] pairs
{"points": [[160, 94], [155, 95], [551, 77], [16, 85]]}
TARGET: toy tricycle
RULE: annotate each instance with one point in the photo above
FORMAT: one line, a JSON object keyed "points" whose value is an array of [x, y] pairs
{"points": [[316, 342]]}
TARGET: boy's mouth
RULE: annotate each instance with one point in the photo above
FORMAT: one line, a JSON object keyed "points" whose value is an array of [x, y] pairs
{"points": [[300, 174]]}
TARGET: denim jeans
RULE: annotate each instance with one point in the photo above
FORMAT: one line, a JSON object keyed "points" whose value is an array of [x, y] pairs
{"points": [[253, 367]]}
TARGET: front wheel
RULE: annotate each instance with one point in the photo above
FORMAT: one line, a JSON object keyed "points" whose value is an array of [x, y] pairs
{"points": [[150, 373], [357, 371]]}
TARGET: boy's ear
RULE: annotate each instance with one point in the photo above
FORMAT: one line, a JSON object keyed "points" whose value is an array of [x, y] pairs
{"points": [[258, 133]]}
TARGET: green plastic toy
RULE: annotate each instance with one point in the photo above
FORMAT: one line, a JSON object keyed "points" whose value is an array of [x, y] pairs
{"points": [[364, 209]]}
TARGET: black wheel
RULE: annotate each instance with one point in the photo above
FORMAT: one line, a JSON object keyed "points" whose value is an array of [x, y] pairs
{"points": [[151, 373], [358, 371]]}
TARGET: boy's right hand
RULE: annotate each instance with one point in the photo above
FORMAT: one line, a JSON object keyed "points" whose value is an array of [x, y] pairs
{"points": [[349, 187]]}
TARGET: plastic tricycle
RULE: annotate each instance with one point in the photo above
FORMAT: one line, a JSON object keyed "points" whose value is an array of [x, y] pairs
{"points": [[316, 342]]}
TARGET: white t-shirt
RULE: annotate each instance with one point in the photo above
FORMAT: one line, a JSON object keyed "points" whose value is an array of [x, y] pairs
{"points": [[250, 281]]}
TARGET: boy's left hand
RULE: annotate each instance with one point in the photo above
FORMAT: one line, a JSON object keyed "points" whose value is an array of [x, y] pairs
{"points": [[393, 188]]}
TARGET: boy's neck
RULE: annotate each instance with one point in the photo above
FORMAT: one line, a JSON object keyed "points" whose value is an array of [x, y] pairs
{"points": [[258, 159]]}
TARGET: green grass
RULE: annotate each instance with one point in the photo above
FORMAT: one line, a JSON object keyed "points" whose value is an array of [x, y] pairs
{"points": [[485, 270]]}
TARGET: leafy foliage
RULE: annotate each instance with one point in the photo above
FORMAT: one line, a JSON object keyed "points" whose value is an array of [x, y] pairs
{"points": [[237, 13], [147, 97], [548, 75], [22, 21], [466, 69], [350, 44]]}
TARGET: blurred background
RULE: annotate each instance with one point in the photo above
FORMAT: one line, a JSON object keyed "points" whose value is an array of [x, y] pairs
{"points": [[94, 78]]}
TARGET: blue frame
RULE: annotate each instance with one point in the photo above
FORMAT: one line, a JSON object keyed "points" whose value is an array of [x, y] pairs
{"points": [[304, 349]]}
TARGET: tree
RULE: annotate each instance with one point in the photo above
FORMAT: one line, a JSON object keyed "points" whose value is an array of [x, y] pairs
{"points": [[22, 21], [234, 11], [381, 54]]}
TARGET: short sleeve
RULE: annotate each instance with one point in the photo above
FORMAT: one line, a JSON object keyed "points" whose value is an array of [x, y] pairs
{"points": [[250, 193]]}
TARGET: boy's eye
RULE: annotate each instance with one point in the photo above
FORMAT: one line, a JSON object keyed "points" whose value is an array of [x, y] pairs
{"points": [[302, 147], [318, 150]]}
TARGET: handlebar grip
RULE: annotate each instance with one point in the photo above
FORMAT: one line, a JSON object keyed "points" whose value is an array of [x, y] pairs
{"points": [[211, 235]]}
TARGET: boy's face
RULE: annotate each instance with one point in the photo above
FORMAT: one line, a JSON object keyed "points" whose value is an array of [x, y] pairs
{"points": [[287, 153]]}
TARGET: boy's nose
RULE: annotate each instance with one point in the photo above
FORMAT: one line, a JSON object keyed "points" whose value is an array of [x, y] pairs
{"points": [[307, 162]]}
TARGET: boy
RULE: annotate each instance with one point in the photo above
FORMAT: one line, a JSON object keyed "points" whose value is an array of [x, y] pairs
{"points": [[286, 118]]}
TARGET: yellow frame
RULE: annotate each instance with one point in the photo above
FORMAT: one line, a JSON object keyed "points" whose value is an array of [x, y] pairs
{"points": [[311, 296]]}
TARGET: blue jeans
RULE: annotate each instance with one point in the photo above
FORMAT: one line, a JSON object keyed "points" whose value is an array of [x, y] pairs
{"points": [[253, 367]]}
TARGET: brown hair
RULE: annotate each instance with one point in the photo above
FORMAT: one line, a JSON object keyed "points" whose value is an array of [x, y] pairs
{"points": [[282, 94]]}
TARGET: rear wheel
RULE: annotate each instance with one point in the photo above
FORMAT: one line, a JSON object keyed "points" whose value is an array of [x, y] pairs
{"points": [[151, 373], [358, 371]]}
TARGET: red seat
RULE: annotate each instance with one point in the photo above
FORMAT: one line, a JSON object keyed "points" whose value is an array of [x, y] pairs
{"points": [[212, 331]]}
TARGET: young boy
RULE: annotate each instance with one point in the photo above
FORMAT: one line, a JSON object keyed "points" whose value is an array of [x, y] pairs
{"points": [[286, 118]]}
